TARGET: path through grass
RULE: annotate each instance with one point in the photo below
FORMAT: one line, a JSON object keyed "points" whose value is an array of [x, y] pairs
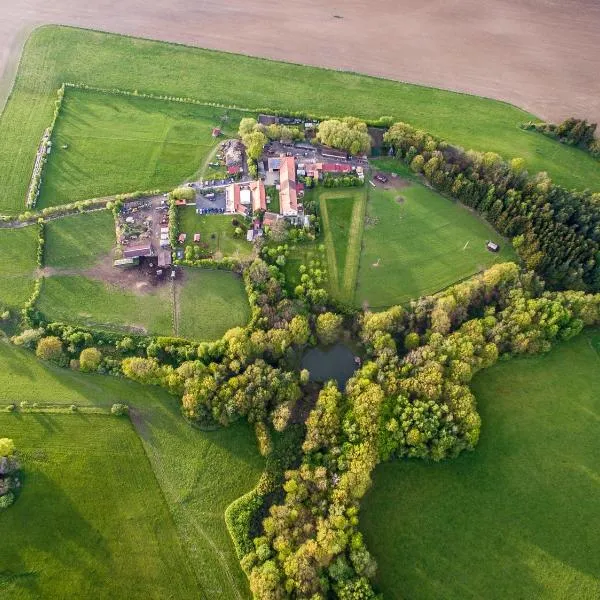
{"points": [[516, 518]]}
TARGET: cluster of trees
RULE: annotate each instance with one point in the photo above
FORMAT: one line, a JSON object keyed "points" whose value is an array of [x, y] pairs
{"points": [[574, 132], [9, 472], [410, 399], [342, 181], [348, 134], [253, 138], [555, 231], [183, 193]]}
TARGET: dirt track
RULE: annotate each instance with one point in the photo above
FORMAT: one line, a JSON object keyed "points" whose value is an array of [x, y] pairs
{"points": [[542, 55]]}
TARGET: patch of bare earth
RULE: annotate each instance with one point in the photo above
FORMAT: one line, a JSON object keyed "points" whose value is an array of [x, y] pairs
{"points": [[541, 55]]}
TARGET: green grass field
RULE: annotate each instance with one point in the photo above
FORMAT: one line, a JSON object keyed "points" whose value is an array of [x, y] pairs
{"points": [[18, 249], [210, 303], [417, 242], [215, 230], [109, 61], [79, 241], [94, 522], [79, 300], [516, 518], [118, 144], [342, 217]]}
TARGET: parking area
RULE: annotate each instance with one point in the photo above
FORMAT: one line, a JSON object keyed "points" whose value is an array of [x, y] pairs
{"points": [[211, 203]]}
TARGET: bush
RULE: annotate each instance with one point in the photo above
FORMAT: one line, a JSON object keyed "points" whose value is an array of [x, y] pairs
{"points": [[119, 409], [7, 447], [29, 338], [89, 360], [6, 500], [50, 348], [183, 193]]}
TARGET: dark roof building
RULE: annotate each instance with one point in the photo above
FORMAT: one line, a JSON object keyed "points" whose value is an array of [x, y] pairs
{"points": [[268, 119], [138, 250], [164, 258]]}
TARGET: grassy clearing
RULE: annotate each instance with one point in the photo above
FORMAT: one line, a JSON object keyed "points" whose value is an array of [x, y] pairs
{"points": [[79, 241], [216, 231], [79, 300], [342, 215], [301, 254], [118, 144], [18, 248], [109, 61], [199, 473], [518, 517], [80, 528], [210, 303], [417, 242]]}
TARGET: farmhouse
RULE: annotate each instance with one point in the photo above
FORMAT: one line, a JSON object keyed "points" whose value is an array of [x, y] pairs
{"points": [[288, 200]]}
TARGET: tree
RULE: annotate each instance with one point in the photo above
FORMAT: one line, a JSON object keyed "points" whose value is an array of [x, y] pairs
{"points": [[247, 126], [89, 360], [50, 348], [348, 134], [255, 143], [7, 447], [329, 328], [183, 193]]}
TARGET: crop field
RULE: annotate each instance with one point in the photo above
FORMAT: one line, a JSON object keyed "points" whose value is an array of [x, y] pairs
{"points": [[109, 526], [210, 303], [109, 61], [342, 215], [79, 241], [83, 301], [417, 242], [516, 518], [18, 249], [117, 144], [215, 230]]}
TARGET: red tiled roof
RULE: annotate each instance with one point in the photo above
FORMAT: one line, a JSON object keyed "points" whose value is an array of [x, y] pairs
{"points": [[288, 201], [336, 168], [259, 196], [233, 170]]}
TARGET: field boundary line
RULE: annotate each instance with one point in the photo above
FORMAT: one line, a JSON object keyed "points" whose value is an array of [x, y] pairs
{"points": [[354, 248], [329, 248]]}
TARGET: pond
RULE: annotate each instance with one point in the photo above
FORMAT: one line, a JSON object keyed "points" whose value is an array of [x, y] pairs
{"points": [[333, 362]]}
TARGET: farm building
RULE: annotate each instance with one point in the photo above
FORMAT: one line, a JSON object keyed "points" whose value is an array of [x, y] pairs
{"points": [[333, 153], [164, 258], [268, 120], [240, 198], [138, 250], [274, 163], [288, 200], [335, 168], [270, 218]]}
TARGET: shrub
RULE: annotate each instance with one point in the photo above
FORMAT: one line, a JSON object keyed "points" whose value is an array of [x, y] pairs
{"points": [[119, 409], [183, 193], [73, 408], [89, 360], [7, 447], [50, 348], [6, 500], [29, 338]]}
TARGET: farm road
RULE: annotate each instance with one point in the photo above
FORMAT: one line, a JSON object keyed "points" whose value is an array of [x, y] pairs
{"points": [[542, 55]]}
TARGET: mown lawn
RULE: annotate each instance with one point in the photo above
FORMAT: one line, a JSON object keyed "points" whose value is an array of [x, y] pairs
{"points": [[342, 219], [216, 231], [417, 242], [210, 303], [18, 249], [113, 512], [119, 144], [91, 520], [108, 61], [516, 518], [79, 300], [79, 241]]}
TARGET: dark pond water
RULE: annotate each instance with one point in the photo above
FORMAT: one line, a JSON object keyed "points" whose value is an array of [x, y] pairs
{"points": [[334, 362]]}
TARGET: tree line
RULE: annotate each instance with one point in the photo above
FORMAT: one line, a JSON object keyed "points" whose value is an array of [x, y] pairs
{"points": [[555, 231]]}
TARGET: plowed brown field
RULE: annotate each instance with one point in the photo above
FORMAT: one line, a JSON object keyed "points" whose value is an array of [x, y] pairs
{"points": [[542, 55]]}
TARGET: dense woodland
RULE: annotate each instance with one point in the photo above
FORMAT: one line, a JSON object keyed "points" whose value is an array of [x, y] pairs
{"points": [[555, 231]]}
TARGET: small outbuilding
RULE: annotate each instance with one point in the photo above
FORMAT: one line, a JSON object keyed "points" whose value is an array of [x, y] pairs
{"points": [[196, 238], [216, 132], [493, 247]]}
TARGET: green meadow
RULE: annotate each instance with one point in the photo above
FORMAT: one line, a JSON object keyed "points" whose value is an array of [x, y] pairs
{"points": [[209, 303], [105, 144], [417, 242], [113, 61], [79, 528], [79, 241], [516, 518], [18, 248]]}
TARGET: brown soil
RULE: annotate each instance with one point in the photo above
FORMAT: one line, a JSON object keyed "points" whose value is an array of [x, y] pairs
{"points": [[134, 279], [541, 55], [392, 183]]}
